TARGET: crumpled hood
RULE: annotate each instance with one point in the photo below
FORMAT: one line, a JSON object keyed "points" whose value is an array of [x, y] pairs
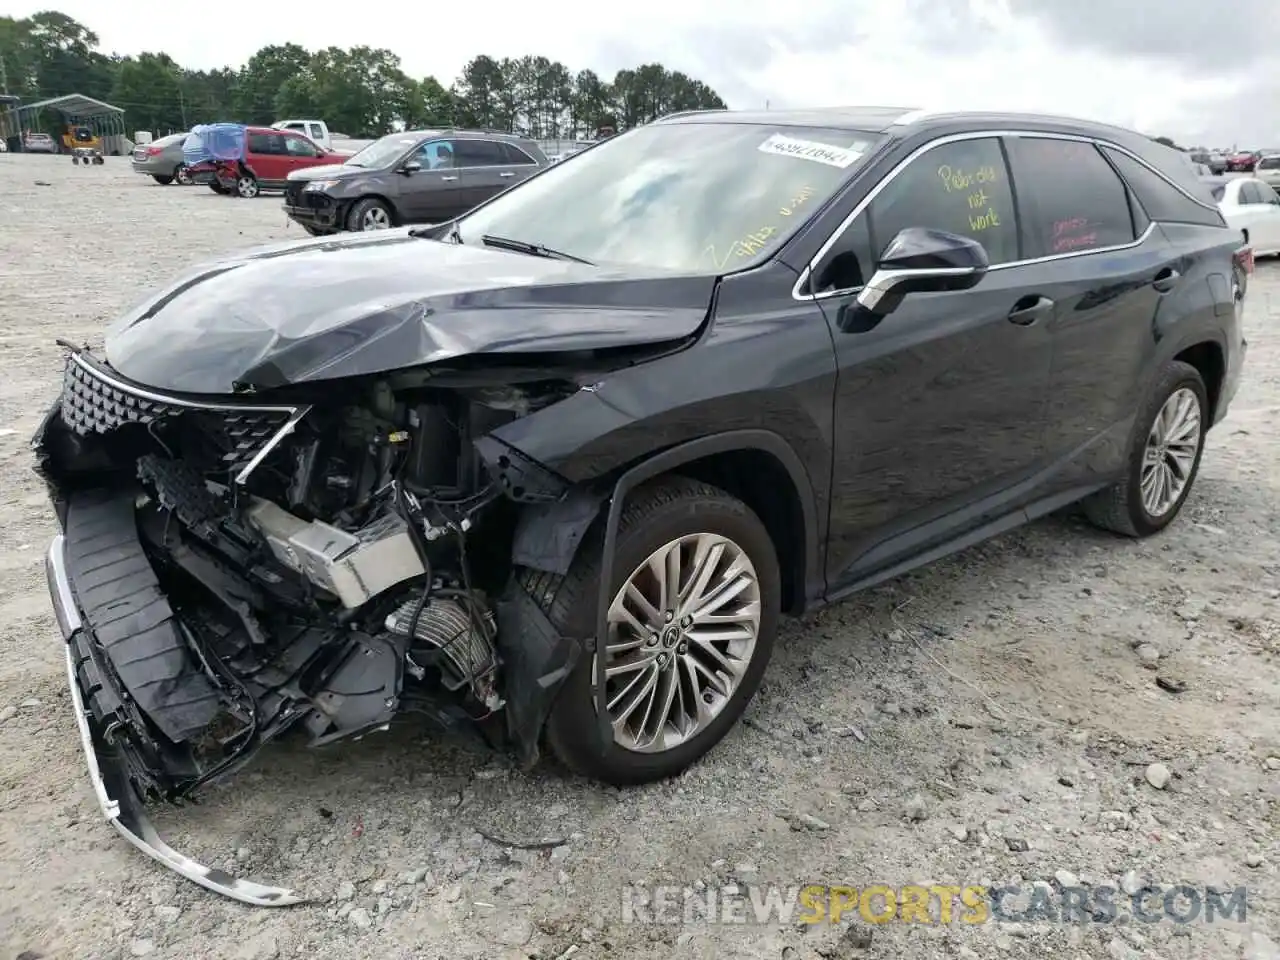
{"points": [[326, 308]]}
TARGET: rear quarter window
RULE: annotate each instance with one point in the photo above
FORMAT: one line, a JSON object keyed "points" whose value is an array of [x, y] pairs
{"points": [[1069, 197], [1218, 191], [1160, 198]]}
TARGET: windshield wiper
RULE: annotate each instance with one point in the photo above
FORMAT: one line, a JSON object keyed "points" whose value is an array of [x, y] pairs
{"points": [[533, 249]]}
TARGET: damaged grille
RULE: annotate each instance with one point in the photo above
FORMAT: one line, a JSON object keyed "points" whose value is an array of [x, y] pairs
{"points": [[230, 436]]}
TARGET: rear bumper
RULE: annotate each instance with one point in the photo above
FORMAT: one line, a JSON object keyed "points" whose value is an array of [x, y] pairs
{"points": [[109, 758]]}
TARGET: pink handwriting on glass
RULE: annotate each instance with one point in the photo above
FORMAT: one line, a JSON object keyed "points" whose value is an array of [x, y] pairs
{"points": [[1067, 235]]}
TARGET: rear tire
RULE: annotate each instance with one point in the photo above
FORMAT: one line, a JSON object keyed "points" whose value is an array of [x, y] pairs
{"points": [[246, 186], [218, 188], [163, 181], [695, 514], [182, 176], [1164, 457], [369, 214]]}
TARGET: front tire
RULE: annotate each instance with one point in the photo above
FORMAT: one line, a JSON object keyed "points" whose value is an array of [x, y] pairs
{"points": [[697, 595], [1164, 457], [369, 214], [246, 186], [163, 181]]}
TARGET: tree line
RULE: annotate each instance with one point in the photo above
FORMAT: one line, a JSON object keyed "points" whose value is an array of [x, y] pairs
{"points": [[361, 91]]}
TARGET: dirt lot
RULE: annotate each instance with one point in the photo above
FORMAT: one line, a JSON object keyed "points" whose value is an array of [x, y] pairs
{"points": [[989, 720]]}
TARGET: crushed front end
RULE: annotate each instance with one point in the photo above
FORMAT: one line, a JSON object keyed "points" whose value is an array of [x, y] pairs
{"points": [[231, 568]]}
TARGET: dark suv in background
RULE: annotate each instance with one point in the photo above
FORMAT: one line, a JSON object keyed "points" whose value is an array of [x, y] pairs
{"points": [[422, 176]]}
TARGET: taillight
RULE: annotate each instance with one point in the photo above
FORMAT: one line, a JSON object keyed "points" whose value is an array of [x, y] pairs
{"points": [[1243, 258], [154, 151]]}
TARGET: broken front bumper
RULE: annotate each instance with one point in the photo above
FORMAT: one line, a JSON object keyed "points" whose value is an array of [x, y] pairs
{"points": [[108, 771]]}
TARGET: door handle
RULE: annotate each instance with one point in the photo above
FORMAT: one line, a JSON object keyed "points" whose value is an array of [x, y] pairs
{"points": [[1166, 279], [509, 173], [448, 179], [1030, 309]]}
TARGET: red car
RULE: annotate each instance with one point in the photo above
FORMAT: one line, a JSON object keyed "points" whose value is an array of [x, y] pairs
{"points": [[270, 156], [1242, 162]]}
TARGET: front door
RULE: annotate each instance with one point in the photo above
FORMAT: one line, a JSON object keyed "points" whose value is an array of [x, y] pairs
{"points": [[300, 153], [941, 403], [431, 193]]}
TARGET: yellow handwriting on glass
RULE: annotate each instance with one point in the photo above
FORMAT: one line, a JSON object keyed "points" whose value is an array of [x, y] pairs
{"points": [[802, 195]]}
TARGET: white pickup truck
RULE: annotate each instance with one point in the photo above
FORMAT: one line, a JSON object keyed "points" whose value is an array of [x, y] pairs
{"points": [[318, 132]]}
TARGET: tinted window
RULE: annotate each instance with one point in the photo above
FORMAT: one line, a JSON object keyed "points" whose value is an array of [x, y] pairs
{"points": [[513, 155], [1269, 163], [1218, 190], [1249, 192], [1267, 194], [480, 153], [265, 143], [316, 133], [1070, 198], [435, 155], [1161, 199], [960, 187], [297, 147], [707, 196]]}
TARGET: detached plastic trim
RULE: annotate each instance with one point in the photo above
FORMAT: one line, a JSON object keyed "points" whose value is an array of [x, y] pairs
{"points": [[126, 811]]}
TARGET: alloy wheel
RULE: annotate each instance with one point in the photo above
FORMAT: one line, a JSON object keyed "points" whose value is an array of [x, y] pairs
{"points": [[183, 176], [375, 218], [682, 632], [247, 187], [1170, 455]]}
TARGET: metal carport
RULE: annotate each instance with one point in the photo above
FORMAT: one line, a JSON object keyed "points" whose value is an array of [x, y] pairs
{"points": [[105, 120]]}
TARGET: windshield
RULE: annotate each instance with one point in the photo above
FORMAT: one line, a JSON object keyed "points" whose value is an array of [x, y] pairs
{"points": [[696, 197], [384, 151]]}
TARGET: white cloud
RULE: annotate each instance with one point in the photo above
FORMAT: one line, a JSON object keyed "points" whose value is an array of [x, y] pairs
{"points": [[821, 52]]}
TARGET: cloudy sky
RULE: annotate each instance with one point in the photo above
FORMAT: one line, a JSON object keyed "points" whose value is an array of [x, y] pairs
{"points": [[1201, 72]]}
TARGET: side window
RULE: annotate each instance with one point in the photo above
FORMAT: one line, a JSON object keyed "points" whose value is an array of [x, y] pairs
{"points": [[481, 153], [297, 147], [960, 187], [436, 155], [293, 126], [1071, 199], [1267, 193], [514, 156], [316, 133], [1161, 199], [263, 144], [1248, 193]]}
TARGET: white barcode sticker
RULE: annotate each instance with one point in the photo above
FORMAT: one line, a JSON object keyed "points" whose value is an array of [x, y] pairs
{"points": [[785, 146]]}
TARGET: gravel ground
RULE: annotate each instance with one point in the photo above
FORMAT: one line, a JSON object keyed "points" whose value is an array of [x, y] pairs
{"points": [[995, 718]]}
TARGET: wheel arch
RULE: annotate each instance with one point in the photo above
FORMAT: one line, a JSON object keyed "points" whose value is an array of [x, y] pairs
{"points": [[758, 467], [1210, 361], [396, 219]]}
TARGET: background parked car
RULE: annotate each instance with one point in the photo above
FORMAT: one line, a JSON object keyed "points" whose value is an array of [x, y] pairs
{"points": [[1268, 170], [162, 160], [1253, 208], [422, 176], [269, 157], [38, 143], [1242, 162], [1217, 163]]}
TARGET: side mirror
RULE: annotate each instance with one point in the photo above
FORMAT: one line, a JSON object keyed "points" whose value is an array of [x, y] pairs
{"points": [[921, 260], [410, 167]]}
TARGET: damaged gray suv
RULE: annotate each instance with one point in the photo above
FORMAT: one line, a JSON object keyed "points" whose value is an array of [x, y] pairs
{"points": [[550, 472]]}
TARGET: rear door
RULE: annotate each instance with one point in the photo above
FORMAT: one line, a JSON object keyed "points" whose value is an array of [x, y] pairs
{"points": [[266, 157], [486, 169], [1105, 266]]}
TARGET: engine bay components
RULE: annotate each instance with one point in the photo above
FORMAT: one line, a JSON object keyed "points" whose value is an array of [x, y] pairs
{"points": [[354, 567]]}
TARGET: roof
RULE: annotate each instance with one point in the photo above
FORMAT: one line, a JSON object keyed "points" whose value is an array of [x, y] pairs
{"points": [[74, 105], [883, 119]]}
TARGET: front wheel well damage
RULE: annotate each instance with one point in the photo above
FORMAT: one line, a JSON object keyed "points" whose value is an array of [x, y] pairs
{"points": [[548, 536]]}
